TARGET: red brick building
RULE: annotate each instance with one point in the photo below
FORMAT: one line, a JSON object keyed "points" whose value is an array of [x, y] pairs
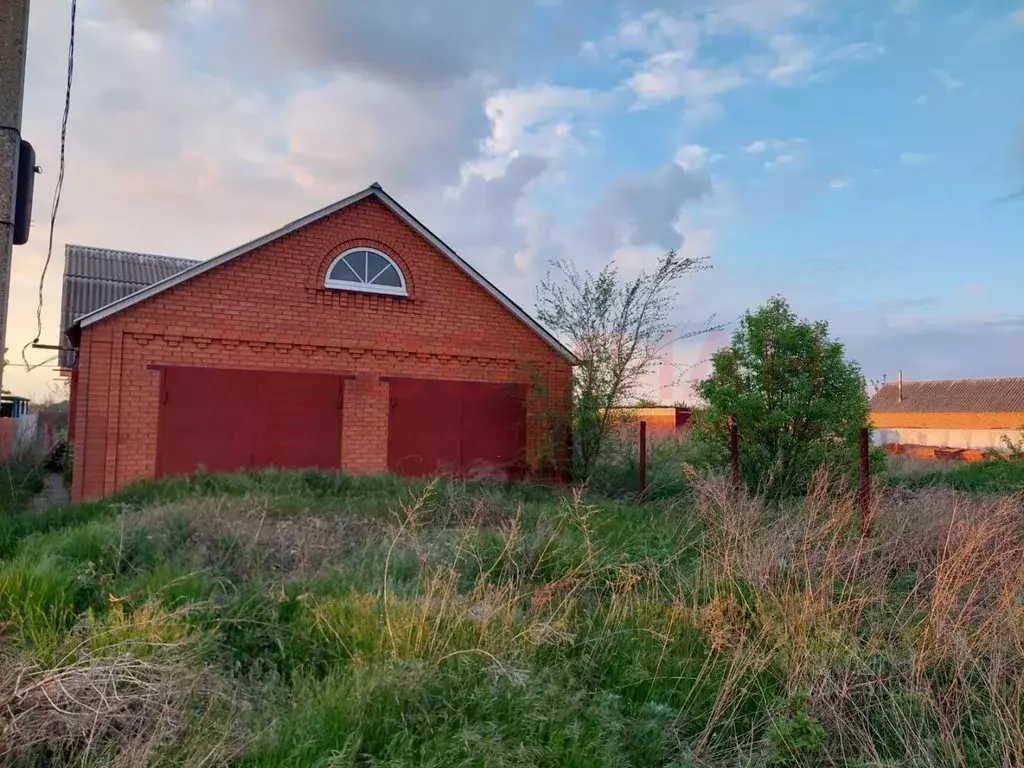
{"points": [[350, 339]]}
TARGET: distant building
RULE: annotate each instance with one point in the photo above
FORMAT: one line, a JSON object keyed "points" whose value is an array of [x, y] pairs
{"points": [[12, 407], [662, 420], [978, 414]]}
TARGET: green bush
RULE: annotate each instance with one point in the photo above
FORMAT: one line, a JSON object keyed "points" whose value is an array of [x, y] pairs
{"points": [[798, 402]]}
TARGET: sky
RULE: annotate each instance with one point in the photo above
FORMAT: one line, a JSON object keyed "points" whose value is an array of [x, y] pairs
{"points": [[858, 157]]}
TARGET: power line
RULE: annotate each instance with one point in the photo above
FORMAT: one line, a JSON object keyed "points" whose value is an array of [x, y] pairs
{"points": [[56, 193]]}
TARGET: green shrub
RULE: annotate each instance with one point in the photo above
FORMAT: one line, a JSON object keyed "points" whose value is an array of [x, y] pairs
{"points": [[798, 402], [795, 738]]}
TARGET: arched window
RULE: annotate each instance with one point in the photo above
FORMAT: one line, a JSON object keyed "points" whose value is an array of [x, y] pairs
{"points": [[367, 271]]}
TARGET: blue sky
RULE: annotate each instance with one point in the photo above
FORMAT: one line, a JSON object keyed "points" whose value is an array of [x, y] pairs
{"points": [[852, 156]]}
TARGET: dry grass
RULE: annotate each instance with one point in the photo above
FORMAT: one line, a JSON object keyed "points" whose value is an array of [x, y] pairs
{"points": [[267, 542], [911, 643], [116, 698]]}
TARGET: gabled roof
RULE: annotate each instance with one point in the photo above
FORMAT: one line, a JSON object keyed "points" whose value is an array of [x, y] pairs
{"points": [[374, 190], [96, 277], [952, 396]]}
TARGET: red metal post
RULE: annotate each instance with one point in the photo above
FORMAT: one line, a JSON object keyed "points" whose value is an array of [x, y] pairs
{"points": [[865, 484], [643, 457], [734, 451]]}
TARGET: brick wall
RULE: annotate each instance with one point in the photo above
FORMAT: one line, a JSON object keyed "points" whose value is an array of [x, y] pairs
{"points": [[268, 310], [989, 420]]}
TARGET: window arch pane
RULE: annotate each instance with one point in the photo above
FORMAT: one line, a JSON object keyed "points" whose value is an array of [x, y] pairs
{"points": [[367, 270], [389, 277], [343, 271], [375, 264]]}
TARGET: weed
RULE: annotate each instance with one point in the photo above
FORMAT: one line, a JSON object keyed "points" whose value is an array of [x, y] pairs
{"points": [[375, 622]]}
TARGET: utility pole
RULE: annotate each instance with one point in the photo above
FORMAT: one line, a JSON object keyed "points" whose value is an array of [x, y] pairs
{"points": [[13, 50]]}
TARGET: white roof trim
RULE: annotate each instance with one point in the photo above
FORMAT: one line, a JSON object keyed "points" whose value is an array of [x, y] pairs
{"points": [[373, 191]]}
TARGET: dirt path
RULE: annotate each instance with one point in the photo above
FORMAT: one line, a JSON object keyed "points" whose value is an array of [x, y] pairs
{"points": [[54, 494]]}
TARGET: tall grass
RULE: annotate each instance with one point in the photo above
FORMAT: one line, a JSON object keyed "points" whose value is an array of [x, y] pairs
{"points": [[298, 619], [994, 475]]}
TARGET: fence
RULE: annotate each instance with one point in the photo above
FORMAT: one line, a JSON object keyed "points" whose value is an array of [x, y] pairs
{"points": [[864, 448], [26, 435]]}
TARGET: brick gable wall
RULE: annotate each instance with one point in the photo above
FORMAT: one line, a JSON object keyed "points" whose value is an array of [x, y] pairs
{"points": [[267, 309]]}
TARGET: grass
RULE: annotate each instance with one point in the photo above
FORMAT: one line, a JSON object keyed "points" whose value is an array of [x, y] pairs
{"points": [[995, 475], [302, 619]]}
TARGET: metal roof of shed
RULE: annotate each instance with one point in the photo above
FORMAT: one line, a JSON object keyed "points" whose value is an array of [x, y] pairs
{"points": [[952, 396], [96, 277]]}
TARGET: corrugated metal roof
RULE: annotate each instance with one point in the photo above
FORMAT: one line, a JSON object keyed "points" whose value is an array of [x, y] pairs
{"points": [[952, 396], [96, 277]]}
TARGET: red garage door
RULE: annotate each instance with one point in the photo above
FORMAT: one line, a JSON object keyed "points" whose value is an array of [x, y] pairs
{"points": [[225, 420], [456, 427]]}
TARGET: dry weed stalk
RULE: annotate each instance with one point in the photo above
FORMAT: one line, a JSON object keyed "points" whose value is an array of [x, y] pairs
{"points": [[880, 659], [120, 706]]}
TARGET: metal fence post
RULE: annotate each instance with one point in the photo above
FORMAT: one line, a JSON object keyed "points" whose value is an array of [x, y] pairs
{"points": [[734, 451], [865, 484], [643, 457]]}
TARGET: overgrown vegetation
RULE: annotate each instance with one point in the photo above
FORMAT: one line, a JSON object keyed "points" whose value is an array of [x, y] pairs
{"points": [[277, 619], [993, 475], [618, 329], [798, 402]]}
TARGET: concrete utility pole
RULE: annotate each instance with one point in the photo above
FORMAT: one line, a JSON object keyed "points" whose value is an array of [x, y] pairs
{"points": [[13, 49]]}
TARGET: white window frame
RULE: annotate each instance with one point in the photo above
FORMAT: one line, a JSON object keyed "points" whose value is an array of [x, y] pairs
{"points": [[348, 285]]}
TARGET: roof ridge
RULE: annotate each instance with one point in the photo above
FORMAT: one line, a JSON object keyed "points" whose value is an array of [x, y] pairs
{"points": [[121, 251], [110, 280], [907, 382]]}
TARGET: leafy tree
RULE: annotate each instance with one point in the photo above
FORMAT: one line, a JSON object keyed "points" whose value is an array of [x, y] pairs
{"points": [[618, 329], [798, 402]]}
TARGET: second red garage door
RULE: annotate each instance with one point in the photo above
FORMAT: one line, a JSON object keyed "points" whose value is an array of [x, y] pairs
{"points": [[225, 420], [456, 427]]}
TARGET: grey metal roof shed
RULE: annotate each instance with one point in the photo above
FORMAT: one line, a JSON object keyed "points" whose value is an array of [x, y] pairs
{"points": [[96, 277]]}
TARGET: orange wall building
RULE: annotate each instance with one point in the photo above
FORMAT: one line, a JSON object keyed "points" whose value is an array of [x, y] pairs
{"points": [[977, 414]]}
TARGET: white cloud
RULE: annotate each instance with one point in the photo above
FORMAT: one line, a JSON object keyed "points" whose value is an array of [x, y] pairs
{"points": [[1017, 17], [780, 161], [921, 100], [799, 60], [693, 158], [672, 65], [758, 16], [947, 80], [671, 75], [699, 243], [795, 59], [911, 159], [771, 145], [856, 52], [840, 182], [513, 112], [905, 6], [653, 32]]}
